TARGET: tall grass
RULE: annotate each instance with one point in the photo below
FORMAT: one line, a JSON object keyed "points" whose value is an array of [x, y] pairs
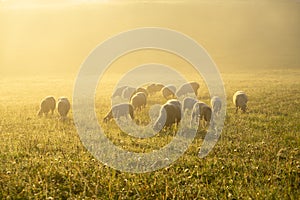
{"points": [[256, 157]]}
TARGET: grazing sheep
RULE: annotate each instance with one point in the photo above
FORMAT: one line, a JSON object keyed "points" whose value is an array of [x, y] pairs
{"points": [[118, 92], [150, 88], [201, 111], [196, 111], [216, 104], [142, 90], [128, 92], [158, 87], [139, 100], [178, 104], [240, 100], [168, 91], [154, 87], [175, 102], [47, 104], [119, 110], [188, 103], [206, 113], [63, 107], [186, 88], [170, 113]]}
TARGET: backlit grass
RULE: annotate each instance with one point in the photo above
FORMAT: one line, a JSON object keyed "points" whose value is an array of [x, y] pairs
{"points": [[256, 157]]}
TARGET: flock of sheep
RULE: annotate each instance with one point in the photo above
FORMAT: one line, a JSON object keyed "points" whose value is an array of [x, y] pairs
{"points": [[171, 112], [49, 104]]}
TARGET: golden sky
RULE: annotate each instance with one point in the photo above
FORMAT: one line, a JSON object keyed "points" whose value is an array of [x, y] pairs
{"points": [[46, 36]]}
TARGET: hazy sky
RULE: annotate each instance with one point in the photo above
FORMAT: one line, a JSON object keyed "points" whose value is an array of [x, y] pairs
{"points": [[39, 37]]}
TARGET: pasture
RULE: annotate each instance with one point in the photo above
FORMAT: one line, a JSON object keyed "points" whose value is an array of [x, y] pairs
{"points": [[256, 157]]}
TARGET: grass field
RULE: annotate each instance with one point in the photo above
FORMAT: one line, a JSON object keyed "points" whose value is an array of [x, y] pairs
{"points": [[256, 157]]}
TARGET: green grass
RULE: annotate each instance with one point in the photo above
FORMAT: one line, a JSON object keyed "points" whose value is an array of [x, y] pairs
{"points": [[256, 157]]}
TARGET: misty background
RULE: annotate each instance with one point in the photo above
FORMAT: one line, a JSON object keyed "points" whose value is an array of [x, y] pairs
{"points": [[55, 37]]}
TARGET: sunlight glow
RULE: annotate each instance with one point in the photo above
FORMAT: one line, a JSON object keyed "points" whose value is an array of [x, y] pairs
{"points": [[34, 4], [57, 35]]}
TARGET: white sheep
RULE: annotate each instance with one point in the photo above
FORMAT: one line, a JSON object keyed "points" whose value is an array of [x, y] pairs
{"points": [[63, 107], [154, 87], [175, 102], [187, 88], [188, 103], [119, 110], [47, 104], [240, 100], [150, 88], [140, 89], [168, 91], [170, 113], [158, 86], [139, 100], [118, 92], [216, 104], [201, 112], [128, 92]]}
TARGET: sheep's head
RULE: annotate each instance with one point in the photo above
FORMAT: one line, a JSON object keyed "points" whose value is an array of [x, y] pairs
{"points": [[244, 108]]}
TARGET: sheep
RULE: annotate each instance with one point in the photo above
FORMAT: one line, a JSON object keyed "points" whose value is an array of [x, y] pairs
{"points": [[143, 90], [206, 113], [201, 111], [168, 91], [119, 110], [196, 111], [128, 92], [188, 103], [118, 92], [216, 104], [140, 89], [186, 88], [47, 104], [158, 87], [151, 89], [139, 100], [240, 100], [178, 104], [63, 107], [154, 87], [170, 113]]}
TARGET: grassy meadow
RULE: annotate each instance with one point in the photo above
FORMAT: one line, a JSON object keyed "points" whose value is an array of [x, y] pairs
{"points": [[255, 45], [256, 157]]}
